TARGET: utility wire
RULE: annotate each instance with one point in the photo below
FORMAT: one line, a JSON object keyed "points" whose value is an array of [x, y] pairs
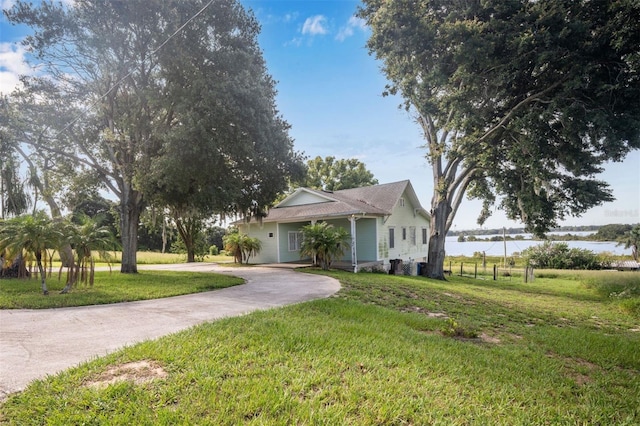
{"points": [[116, 84]]}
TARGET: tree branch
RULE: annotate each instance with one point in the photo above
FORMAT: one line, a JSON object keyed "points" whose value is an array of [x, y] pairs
{"points": [[515, 109], [459, 189]]}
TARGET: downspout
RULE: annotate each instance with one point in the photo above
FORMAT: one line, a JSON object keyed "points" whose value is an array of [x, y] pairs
{"points": [[277, 242], [354, 259]]}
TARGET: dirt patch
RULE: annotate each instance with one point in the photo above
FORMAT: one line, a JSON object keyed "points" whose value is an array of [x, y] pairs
{"points": [[578, 369], [420, 310], [137, 372], [489, 339]]}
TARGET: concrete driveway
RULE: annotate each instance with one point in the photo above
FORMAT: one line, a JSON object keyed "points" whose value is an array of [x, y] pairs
{"points": [[36, 343]]}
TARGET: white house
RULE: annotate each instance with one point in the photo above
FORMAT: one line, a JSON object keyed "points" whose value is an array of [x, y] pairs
{"points": [[385, 222]]}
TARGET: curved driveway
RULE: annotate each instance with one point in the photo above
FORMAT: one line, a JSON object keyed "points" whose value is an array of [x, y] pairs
{"points": [[35, 343]]}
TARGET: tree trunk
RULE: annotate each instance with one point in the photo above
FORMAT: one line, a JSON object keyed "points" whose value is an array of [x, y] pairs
{"points": [[130, 208], [43, 276], [164, 234], [438, 232], [186, 231]]}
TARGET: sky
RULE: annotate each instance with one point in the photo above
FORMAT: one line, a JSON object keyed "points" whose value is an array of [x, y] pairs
{"points": [[330, 92]]}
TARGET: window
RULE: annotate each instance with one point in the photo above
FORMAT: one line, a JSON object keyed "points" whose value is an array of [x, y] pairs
{"points": [[424, 235], [295, 240], [392, 238], [404, 233], [401, 202], [412, 235]]}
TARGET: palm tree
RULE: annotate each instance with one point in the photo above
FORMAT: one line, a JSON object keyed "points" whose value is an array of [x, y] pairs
{"points": [[86, 237], [632, 239], [323, 243], [32, 235], [241, 246], [250, 247], [233, 244]]}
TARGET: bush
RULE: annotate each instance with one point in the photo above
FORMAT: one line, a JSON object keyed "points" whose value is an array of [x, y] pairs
{"points": [[199, 249], [559, 256], [213, 250]]}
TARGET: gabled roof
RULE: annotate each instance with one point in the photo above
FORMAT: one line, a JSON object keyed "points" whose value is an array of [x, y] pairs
{"points": [[376, 200]]}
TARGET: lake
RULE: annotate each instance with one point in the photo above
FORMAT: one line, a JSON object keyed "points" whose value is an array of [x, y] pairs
{"points": [[496, 248]]}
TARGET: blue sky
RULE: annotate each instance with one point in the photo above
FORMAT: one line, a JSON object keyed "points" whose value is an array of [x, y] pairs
{"points": [[329, 90]]}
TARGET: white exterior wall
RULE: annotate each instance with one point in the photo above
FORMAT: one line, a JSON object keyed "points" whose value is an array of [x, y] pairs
{"points": [[403, 217]]}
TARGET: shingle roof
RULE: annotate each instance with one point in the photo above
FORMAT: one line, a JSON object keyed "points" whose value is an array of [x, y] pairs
{"points": [[376, 200]]}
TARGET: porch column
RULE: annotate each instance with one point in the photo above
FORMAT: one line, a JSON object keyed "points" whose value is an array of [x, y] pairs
{"points": [[354, 258]]}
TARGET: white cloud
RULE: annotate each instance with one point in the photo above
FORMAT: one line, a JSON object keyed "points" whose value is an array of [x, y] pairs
{"points": [[315, 25], [7, 4], [354, 23], [12, 65], [290, 17], [296, 41]]}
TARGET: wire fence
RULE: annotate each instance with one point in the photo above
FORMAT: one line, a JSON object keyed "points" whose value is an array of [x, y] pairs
{"points": [[485, 271]]}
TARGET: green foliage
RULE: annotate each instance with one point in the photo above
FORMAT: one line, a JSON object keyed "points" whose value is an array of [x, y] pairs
{"points": [[39, 236], [323, 243], [34, 235], [241, 246], [87, 237], [200, 249], [551, 255], [514, 100], [213, 250], [631, 239], [612, 232], [14, 200], [454, 329], [182, 107], [331, 175]]}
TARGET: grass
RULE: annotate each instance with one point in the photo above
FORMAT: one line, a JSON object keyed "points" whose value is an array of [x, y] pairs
{"points": [[145, 258], [110, 288], [555, 351]]}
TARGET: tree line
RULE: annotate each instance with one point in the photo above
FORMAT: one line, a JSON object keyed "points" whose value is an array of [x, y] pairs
{"points": [[169, 104], [166, 104]]}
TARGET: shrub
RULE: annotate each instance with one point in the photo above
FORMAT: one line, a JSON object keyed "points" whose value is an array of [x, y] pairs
{"points": [[241, 246], [323, 243], [560, 256], [213, 250], [454, 329]]}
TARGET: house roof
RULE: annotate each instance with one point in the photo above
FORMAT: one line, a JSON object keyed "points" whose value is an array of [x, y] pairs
{"points": [[376, 200]]}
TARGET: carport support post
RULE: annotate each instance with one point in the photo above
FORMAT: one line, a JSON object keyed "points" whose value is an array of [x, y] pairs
{"points": [[354, 259]]}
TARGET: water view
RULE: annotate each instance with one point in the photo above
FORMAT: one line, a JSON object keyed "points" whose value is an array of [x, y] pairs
{"points": [[496, 248]]}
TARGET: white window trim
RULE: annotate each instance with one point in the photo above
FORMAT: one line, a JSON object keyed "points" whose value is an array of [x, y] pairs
{"points": [[297, 240]]}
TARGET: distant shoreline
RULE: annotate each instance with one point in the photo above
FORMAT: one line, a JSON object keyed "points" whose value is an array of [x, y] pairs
{"points": [[511, 231]]}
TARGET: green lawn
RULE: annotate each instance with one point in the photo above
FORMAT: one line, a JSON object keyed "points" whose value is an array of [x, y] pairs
{"points": [[556, 351], [110, 288]]}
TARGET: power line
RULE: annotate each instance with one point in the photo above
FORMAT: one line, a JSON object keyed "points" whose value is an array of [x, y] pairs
{"points": [[116, 84]]}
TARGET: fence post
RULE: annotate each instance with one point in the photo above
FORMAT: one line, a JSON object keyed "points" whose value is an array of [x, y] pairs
{"points": [[461, 263], [475, 272], [495, 267]]}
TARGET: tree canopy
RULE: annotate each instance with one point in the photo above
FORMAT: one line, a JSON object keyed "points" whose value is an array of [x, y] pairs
{"points": [[333, 174], [173, 104], [521, 102]]}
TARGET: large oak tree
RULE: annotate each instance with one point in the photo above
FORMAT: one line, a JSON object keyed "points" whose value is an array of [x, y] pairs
{"points": [[333, 174], [177, 104], [520, 101]]}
